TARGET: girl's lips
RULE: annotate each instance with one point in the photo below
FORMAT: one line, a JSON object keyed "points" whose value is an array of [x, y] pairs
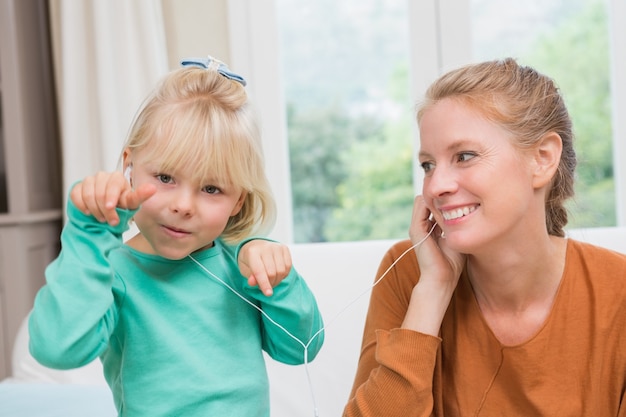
{"points": [[175, 231]]}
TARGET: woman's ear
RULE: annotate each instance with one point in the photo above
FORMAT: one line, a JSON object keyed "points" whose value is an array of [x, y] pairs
{"points": [[546, 158]]}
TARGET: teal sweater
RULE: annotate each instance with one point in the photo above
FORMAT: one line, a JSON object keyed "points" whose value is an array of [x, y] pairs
{"points": [[173, 340]]}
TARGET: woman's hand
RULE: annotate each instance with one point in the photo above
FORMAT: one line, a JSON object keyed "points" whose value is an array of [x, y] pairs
{"points": [[436, 260], [440, 269], [265, 263], [99, 195]]}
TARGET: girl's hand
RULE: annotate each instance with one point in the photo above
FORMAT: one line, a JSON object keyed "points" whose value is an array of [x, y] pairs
{"points": [[99, 195], [440, 269], [265, 263]]}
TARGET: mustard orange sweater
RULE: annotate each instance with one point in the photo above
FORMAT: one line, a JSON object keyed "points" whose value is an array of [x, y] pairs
{"points": [[574, 366]]}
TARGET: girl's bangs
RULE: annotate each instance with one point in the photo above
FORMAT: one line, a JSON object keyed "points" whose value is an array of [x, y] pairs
{"points": [[214, 152]]}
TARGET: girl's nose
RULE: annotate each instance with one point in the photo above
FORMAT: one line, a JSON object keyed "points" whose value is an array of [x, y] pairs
{"points": [[182, 201]]}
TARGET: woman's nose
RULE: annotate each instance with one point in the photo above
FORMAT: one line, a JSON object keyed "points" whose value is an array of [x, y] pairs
{"points": [[442, 180]]}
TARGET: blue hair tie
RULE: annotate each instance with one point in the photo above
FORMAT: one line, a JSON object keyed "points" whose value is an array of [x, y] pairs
{"points": [[212, 63]]}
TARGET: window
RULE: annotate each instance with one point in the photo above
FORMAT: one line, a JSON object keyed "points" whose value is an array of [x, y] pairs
{"points": [[568, 40], [349, 115], [349, 142]]}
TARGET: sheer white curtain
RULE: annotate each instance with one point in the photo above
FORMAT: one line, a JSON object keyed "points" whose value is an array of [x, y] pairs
{"points": [[108, 55]]}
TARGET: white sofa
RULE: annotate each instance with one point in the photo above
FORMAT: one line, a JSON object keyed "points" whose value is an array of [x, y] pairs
{"points": [[341, 275]]}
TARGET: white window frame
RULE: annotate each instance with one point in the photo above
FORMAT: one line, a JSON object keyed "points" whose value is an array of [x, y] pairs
{"points": [[253, 42], [439, 30], [617, 16]]}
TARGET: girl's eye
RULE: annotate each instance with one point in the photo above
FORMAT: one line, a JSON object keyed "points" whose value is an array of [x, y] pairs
{"points": [[465, 156], [427, 166], [211, 189], [164, 178]]}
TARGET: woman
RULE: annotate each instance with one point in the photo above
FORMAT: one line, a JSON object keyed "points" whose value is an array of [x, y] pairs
{"points": [[497, 314]]}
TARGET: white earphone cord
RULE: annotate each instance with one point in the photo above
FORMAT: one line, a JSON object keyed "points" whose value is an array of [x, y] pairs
{"points": [[306, 345]]}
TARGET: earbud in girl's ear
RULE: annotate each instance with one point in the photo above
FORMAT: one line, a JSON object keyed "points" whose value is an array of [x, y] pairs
{"points": [[128, 171]]}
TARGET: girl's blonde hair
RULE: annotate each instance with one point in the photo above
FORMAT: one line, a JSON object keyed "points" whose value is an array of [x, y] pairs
{"points": [[525, 103], [198, 118]]}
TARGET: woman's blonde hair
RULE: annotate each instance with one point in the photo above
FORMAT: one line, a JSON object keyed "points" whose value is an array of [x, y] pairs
{"points": [[198, 118], [525, 103]]}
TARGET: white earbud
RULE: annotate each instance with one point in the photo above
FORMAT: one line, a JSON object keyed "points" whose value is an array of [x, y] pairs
{"points": [[128, 171]]}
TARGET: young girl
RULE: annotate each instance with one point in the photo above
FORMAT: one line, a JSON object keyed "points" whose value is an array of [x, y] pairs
{"points": [[175, 312]]}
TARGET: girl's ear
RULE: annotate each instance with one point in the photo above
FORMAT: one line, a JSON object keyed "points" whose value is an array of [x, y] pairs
{"points": [[126, 159], [239, 205], [546, 158], [127, 165]]}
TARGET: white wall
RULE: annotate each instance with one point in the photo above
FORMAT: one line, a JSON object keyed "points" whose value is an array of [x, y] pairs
{"points": [[196, 28]]}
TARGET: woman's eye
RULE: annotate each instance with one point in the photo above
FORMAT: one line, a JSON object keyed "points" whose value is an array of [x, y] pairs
{"points": [[466, 156], [211, 189], [164, 178], [427, 166]]}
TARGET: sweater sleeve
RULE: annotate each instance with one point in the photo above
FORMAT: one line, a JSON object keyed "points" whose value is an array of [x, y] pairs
{"points": [[73, 314], [291, 321], [292, 308], [396, 366]]}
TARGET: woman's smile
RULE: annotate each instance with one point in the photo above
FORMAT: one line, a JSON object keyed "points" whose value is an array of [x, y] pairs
{"points": [[458, 212]]}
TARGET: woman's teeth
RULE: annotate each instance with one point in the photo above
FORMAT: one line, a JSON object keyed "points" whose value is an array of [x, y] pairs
{"points": [[456, 213]]}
